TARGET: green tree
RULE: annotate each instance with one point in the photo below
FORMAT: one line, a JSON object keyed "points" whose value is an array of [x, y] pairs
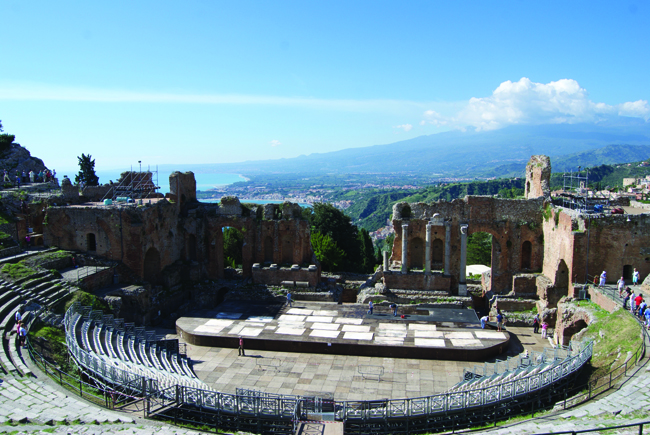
{"points": [[327, 219], [6, 140], [86, 171], [233, 242], [367, 252], [479, 248], [327, 251]]}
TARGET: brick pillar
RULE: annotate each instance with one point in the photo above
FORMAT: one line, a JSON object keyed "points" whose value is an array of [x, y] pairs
{"points": [[405, 235], [427, 254], [462, 280]]}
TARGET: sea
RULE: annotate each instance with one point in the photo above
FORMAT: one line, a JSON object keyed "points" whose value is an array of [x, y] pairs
{"points": [[204, 181]]}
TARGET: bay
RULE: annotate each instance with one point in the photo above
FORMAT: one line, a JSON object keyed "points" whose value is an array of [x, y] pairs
{"points": [[204, 181]]}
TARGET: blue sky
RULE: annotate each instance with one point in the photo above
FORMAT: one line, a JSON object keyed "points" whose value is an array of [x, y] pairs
{"points": [[215, 82]]}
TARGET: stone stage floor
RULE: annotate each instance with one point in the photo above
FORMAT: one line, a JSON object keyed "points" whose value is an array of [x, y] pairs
{"points": [[344, 329], [336, 376]]}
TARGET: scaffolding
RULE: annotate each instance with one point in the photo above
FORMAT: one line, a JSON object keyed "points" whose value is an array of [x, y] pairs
{"points": [[577, 196], [134, 185]]}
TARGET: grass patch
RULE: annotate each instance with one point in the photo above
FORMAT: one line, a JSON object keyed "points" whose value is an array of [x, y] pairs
{"points": [[49, 333], [620, 334], [17, 271], [87, 300]]}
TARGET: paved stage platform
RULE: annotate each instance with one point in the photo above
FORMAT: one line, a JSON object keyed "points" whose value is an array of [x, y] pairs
{"points": [[330, 328]]}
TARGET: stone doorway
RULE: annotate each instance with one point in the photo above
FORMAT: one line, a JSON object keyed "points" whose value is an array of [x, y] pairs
{"points": [[151, 270], [628, 270], [526, 254], [417, 253]]}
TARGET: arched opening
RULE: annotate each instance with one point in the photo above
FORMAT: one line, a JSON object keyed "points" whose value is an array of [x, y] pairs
{"points": [[417, 253], [437, 253], [628, 270], [479, 248], [91, 243], [287, 250], [562, 275], [572, 330], [233, 242], [191, 247], [221, 294], [268, 249], [526, 253], [152, 266]]}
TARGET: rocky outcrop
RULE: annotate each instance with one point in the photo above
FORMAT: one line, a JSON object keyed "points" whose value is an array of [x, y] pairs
{"points": [[17, 158]]}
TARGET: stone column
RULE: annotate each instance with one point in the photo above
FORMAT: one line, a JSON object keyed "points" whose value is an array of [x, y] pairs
{"points": [[405, 236], [427, 255], [462, 280], [447, 247], [386, 255]]}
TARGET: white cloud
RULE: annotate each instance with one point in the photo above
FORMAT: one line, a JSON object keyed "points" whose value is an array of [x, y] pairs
{"points": [[405, 127], [275, 143], [527, 102]]}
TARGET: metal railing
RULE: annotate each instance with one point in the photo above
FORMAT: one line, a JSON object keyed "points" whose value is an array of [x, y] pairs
{"points": [[248, 411]]}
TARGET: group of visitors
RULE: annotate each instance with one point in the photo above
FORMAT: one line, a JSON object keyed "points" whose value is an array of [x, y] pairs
{"points": [[637, 306], [393, 307], [536, 325], [44, 176]]}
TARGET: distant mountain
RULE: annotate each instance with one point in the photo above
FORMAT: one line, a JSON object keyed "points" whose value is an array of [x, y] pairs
{"points": [[608, 155], [470, 153]]}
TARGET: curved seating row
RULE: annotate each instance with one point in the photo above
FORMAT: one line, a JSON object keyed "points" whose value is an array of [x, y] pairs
{"points": [[111, 348]]}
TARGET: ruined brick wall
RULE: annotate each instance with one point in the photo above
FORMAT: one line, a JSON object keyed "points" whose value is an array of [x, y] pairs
{"points": [[119, 233], [417, 281], [511, 223], [571, 319], [538, 176], [614, 245], [559, 265], [182, 188], [277, 276]]}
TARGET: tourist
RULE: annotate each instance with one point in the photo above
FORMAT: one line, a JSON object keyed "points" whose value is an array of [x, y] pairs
{"points": [[544, 329], [627, 298], [370, 308], [31, 176], [632, 302], [289, 300], [536, 324], [17, 179], [637, 302], [24, 176], [621, 286], [603, 278], [22, 336], [499, 320], [394, 308], [642, 308], [241, 346], [484, 321], [635, 277], [28, 240], [647, 317], [19, 315], [6, 177]]}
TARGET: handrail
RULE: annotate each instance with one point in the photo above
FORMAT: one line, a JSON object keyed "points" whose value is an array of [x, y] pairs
{"points": [[285, 406]]}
